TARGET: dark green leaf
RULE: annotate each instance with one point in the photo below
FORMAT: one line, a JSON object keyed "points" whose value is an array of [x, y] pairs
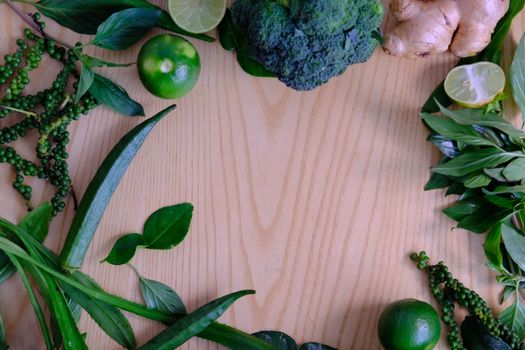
{"points": [[476, 337], [3, 338], [168, 226], [456, 188], [515, 245], [454, 131], [515, 170], [124, 249], [7, 269], [279, 340], [484, 218], [93, 62], [463, 208], [84, 16], [517, 76], [192, 324], [124, 28], [315, 346], [506, 189], [437, 181], [496, 173], [502, 202], [506, 293], [477, 180], [439, 94], [161, 297], [492, 247], [446, 146], [100, 190], [227, 32], [109, 318], [514, 318], [114, 96], [472, 161], [86, 80], [250, 65]]}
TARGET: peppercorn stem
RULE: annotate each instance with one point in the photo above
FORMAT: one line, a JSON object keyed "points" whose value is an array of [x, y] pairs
{"points": [[28, 113]]}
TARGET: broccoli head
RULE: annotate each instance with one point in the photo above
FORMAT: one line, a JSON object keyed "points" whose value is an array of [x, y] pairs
{"points": [[307, 42]]}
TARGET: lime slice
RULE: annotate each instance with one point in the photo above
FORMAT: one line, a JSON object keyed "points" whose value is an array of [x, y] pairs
{"points": [[197, 16], [475, 85]]}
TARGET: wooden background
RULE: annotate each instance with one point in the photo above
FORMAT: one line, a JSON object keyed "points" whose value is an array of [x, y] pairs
{"points": [[313, 199]]}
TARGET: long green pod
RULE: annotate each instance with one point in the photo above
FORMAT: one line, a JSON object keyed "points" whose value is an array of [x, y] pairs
{"points": [[192, 324], [219, 333], [100, 190]]}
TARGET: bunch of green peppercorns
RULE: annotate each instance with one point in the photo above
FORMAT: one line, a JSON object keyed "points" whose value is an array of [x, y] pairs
{"points": [[48, 112]]}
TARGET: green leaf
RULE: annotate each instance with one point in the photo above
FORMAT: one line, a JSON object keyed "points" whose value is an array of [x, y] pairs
{"points": [[168, 226], [192, 324], [7, 269], [124, 28], [484, 218], [505, 190], [463, 208], [114, 96], [100, 190], [446, 146], [109, 318], [454, 131], [475, 160], [514, 318], [84, 16], [93, 62], [477, 180], [227, 32], [279, 340], [3, 337], [496, 174], [161, 297], [515, 245], [492, 247], [517, 76], [506, 293], [315, 346], [250, 65], [437, 181], [87, 76], [476, 337], [124, 249], [515, 170], [502, 202]]}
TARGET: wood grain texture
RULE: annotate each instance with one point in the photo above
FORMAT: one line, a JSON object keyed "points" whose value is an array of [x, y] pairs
{"points": [[313, 199]]}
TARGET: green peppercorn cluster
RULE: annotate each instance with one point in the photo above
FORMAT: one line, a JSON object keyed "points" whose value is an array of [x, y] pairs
{"points": [[448, 292], [48, 113]]}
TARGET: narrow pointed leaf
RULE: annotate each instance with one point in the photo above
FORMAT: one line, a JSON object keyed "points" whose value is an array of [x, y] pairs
{"points": [[492, 247], [517, 76], [515, 244], [475, 160]]}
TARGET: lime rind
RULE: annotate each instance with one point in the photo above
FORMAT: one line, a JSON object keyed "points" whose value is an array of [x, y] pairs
{"points": [[197, 16]]}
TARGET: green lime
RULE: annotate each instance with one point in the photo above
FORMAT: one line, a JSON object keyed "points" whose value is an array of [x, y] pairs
{"points": [[409, 324], [475, 85], [197, 16], [169, 66]]}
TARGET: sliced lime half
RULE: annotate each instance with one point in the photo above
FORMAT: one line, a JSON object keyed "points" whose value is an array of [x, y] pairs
{"points": [[475, 85], [197, 16]]}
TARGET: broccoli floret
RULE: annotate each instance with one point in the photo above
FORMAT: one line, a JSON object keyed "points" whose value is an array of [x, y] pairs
{"points": [[307, 42]]}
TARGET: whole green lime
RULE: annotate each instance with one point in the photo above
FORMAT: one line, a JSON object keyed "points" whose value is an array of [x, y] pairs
{"points": [[169, 66], [409, 324]]}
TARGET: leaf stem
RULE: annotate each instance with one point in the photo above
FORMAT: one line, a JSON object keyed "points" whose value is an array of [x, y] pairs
{"points": [[28, 113]]}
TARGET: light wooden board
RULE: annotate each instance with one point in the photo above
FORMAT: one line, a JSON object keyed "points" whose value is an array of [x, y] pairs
{"points": [[313, 199]]}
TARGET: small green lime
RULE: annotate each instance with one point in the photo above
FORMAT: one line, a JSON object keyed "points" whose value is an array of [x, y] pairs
{"points": [[168, 66], [409, 324]]}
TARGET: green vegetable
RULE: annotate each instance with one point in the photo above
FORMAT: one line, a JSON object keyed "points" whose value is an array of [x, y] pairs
{"points": [[517, 76], [192, 324], [84, 16], [164, 229], [99, 192], [114, 96], [476, 337], [304, 43], [282, 341], [124, 28]]}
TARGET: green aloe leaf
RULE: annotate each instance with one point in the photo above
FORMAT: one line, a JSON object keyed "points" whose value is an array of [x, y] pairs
{"points": [[114, 97], [168, 226], [124, 249], [192, 324], [124, 28]]}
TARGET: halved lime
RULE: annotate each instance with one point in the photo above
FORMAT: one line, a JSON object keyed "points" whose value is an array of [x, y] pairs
{"points": [[197, 16], [475, 85]]}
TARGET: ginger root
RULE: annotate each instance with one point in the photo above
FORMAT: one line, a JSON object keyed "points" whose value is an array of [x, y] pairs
{"points": [[434, 26]]}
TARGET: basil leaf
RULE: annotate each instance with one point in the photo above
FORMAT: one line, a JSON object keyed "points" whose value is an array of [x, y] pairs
{"points": [[124, 28], [515, 245], [517, 76], [124, 249], [515, 171], [315, 346], [492, 247], [86, 80], [514, 317], [476, 337], [192, 324], [454, 131], [99, 191], [168, 226], [3, 338], [471, 161], [93, 62], [279, 340], [114, 96], [84, 16], [161, 297], [110, 319]]}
